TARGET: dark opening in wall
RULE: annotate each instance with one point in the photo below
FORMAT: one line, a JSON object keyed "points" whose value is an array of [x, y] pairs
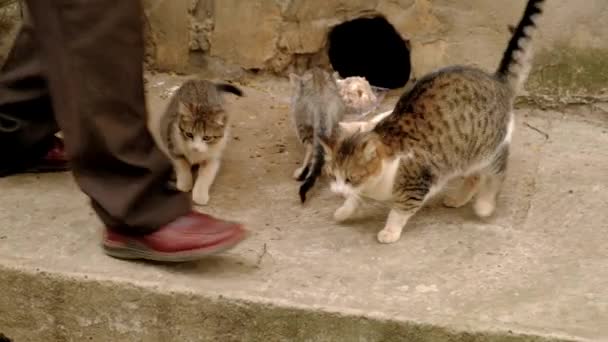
{"points": [[372, 48]]}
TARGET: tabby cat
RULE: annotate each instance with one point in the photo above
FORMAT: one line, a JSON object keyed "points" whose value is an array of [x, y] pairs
{"points": [[194, 129], [316, 108], [356, 95], [455, 122]]}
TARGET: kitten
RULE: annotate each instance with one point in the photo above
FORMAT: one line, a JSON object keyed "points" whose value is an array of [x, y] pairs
{"points": [[455, 122], [356, 93], [316, 108], [194, 129]]}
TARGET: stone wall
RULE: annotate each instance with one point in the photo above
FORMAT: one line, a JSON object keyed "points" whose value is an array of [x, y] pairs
{"points": [[228, 36], [10, 15]]}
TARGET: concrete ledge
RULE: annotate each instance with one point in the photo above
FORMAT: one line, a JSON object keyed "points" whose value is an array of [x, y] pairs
{"points": [[44, 306]]}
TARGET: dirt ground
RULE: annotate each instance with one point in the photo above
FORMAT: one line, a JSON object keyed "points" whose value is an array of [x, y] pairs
{"points": [[263, 145], [263, 150]]}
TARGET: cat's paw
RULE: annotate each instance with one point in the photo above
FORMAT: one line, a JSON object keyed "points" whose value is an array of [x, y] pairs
{"points": [[200, 196], [342, 214], [484, 208], [388, 236], [300, 173], [297, 172], [184, 184], [454, 202]]}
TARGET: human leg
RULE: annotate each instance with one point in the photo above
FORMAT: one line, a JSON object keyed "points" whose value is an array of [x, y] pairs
{"points": [[92, 52]]}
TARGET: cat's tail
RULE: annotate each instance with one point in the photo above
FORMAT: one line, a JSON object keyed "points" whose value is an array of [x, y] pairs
{"points": [[229, 88], [314, 171], [517, 59]]}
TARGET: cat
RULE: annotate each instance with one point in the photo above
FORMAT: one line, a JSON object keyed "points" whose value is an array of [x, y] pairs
{"points": [[455, 122], [316, 108], [357, 94], [194, 130]]}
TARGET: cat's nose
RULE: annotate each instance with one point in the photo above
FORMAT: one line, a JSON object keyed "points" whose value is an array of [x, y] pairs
{"points": [[335, 188], [199, 148]]}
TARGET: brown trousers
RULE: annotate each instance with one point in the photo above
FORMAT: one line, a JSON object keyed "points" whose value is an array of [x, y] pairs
{"points": [[78, 67]]}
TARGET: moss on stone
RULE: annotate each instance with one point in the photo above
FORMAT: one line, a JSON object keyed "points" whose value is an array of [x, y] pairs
{"points": [[568, 71]]}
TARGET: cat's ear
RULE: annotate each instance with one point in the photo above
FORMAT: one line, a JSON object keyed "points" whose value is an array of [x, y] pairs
{"points": [[306, 77], [336, 76], [183, 110], [370, 150], [220, 120], [350, 128], [293, 78]]}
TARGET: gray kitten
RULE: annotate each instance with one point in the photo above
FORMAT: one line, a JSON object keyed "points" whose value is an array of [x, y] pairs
{"points": [[194, 130], [455, 122], [317, 108]]}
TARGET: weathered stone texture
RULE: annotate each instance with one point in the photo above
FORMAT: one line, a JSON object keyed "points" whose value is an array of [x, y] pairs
{"points": [[275, 35], [246, 32], [10, 17]]}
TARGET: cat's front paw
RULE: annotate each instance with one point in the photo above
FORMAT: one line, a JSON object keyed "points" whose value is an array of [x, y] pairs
{"points": [[484, 208], [297, 172], [300, 173], [454, 202], [184, 184], [342, 214], [388, 236], [200, 196]]}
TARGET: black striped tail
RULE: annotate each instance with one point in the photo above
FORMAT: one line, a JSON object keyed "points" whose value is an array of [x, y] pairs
{"points": [[516, 60], [229, 88], [316, 166]]}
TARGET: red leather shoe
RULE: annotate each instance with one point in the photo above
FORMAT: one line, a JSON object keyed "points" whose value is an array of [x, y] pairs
{"points": [[55, 160], [190, 237]]}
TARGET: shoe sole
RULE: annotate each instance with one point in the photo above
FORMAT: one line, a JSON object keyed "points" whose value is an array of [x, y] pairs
{"points": [[139, 252], [34, 170]]}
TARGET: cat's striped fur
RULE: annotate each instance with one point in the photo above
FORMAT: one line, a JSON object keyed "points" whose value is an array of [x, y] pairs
{"points": [[317, 108]]}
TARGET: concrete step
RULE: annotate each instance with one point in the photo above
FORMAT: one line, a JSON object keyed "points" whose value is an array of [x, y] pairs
{"points": [[537, 271]]}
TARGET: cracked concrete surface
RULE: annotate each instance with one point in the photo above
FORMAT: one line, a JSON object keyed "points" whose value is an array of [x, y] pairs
{"points": [[536, 271]]}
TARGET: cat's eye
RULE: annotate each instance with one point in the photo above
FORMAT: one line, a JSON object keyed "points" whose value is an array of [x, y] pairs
{"points": [[207, 138], [189, 135], [348, 181]]}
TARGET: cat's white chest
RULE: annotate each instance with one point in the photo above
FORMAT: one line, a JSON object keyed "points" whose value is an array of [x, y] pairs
{"points": [[195, 157], [382, 188]]}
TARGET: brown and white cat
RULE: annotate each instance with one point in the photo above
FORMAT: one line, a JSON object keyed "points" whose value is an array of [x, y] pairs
{"points": [[455, 122], [194, 130]]}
